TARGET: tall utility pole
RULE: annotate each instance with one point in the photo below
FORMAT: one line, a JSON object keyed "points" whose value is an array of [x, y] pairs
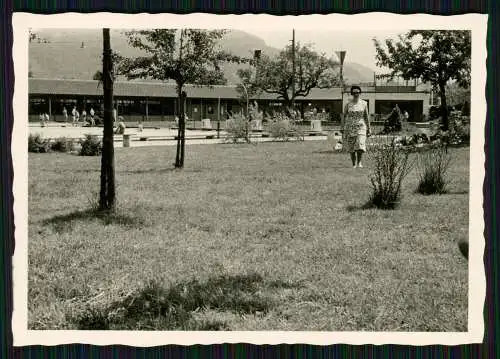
{"points": [[107, 194], [293, 70], [341, 56]]}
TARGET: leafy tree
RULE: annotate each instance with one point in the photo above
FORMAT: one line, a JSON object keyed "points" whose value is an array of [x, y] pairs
{"points": [[457, 96], [276, 75], [246, 88], [186, 56], [434, 56]]}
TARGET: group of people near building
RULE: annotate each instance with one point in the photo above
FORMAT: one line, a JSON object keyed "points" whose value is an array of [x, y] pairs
{"points": [[78, 119], [44, 119], [90, 120]]}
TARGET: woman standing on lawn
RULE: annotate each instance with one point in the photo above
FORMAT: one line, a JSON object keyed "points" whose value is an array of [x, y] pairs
{"points": [[355, 126]]}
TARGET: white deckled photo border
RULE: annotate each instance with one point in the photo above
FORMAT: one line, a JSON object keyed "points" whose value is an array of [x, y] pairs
{"points": [[477, 23]]}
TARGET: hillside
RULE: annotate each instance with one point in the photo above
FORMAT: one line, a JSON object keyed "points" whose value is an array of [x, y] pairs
{"points": [[76, 54]]}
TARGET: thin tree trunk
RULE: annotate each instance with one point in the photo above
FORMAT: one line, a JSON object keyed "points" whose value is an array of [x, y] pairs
{"points": [[179, 159], [183, 129], [107, 193], [444, 106], [178, 150]]}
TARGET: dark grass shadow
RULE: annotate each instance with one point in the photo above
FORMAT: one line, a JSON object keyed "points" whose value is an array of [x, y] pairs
{"points": [[77, 170], [444, 193], [362, 207], [155, 307], [162, 170], [150, 170], [326, 152], [65, 222], [456, 192]]}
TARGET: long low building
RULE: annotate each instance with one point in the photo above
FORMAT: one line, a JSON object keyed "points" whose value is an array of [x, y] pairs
{"points": [[152, 101]]}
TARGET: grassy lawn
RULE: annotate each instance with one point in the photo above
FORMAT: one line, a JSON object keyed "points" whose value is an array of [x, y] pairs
{"points": [[247, 237]]}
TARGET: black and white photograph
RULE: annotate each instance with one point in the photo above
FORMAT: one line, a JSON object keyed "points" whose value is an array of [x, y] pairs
{"points": [[242, 178]]}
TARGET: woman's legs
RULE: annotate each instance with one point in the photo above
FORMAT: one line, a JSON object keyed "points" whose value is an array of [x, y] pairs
{"points": [[360, 155], [353, 158]]}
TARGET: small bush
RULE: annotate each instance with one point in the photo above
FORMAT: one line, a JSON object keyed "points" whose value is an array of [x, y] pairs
{"points": [[433, 165], [391, 165], [62, 144], [91, 146], [281, 127], [37, 144], [459, 129], [237, 128]]}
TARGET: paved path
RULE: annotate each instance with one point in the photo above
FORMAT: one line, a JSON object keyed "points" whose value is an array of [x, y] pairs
{"points": [[156, 137]]}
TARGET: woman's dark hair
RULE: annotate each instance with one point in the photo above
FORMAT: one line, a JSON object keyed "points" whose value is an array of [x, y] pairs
{"points": [[355, 88]]}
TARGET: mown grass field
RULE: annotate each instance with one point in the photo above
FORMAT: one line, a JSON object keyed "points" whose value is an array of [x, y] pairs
{"points": [[247, 237]]}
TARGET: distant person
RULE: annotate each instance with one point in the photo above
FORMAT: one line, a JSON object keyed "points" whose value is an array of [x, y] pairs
{"points": [[92, 114], [355, 126], [406, 116], [41, 118], [73, 116], [315, 113], [120, 129], [65, 114], [115, 114], [77, 118], [393, 121], [46, 118], [84, 116], [139, 126]]}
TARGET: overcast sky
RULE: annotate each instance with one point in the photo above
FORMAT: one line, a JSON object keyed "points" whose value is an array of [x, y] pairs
{"points": [[358, 44]]}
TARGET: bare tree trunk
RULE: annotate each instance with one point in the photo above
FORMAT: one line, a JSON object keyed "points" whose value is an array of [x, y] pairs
{"points": [[181, 133], [107, 194], [178, 150], [444, 106], [181, 95], [183, 130]]}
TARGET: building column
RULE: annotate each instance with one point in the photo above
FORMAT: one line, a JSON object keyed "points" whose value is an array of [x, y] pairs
{"points": [[161, 108], [201, 109], [371, 105], [147, 110], [50, 106]]}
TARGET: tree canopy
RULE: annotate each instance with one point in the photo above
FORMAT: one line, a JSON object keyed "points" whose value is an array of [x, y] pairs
{"points": [[186, 56], [276, 75], [434, 56]]}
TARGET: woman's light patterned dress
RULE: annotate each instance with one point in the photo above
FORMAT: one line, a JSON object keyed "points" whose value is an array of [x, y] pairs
{"points": [[355, 126]]}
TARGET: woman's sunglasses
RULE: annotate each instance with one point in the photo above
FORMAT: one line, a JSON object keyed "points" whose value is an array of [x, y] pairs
{"points": [[355, 93]]}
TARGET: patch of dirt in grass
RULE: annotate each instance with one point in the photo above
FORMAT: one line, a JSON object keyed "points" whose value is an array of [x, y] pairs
{"points": [[155, 307]]}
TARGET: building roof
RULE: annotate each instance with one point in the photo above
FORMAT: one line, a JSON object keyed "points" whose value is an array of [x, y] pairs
{"points": [[155, 89]]}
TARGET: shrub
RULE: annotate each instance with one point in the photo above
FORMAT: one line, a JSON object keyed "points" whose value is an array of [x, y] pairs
{"points": [[432, 166], [238, 128], [37, 144], [91, 146], [391, 165], [62, 144], [281, 127], [459, 129]]}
